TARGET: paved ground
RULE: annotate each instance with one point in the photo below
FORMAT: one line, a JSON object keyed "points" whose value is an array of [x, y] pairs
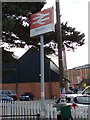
{"points": [[48, 101]]}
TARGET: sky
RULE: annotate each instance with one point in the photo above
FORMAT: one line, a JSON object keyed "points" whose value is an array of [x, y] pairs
{"points": [[75, 12]]}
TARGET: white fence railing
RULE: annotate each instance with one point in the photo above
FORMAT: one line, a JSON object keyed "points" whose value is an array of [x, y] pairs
{"points": [[19, 109], [81, 112]]}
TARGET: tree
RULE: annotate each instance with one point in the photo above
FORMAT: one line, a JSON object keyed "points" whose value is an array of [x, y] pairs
{"points": [[16, 26], [13, 16]]}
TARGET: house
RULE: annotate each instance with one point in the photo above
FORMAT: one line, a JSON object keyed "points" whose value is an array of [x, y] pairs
{"points": [[79, 76]]}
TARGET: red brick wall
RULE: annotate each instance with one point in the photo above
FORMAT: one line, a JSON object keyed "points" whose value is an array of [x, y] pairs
{"points": [[9, 86], [73, 74], [56, 89], [35, 88]]}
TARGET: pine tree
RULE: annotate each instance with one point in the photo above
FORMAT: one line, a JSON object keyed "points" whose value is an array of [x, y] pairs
{"points": [[16, 26]]}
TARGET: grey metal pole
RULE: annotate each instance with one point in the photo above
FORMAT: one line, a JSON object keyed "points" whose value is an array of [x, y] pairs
{"points": [[42, 76]]}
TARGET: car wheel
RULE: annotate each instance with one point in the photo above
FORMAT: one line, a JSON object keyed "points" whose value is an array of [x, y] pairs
{"points": [[14, 98]]}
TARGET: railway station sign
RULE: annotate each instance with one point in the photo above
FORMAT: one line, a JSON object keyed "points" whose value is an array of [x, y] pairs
{"points": [[42, 22]]}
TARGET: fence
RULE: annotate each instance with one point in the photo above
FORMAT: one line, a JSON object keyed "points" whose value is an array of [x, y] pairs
{"points": [[81, 112], [27, 110]]}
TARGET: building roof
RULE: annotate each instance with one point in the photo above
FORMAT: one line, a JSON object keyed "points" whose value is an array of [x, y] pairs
{"points": [[81, 67]]}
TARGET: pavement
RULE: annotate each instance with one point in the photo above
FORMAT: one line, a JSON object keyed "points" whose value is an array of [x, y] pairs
{"points": [[47, 101]]}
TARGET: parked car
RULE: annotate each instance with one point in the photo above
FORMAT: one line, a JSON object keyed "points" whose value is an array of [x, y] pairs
{"points": [[83, 100], [9, 93], [27, 96], [5, 98], [86, 91], [70, 95]]}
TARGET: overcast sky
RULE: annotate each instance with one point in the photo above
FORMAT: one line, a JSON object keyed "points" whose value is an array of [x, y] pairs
{"points": [[75, 12]]}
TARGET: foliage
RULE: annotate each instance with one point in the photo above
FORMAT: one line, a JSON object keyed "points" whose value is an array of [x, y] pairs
{"points": [[13, 16], [16, 15], [7, 56], [71, 36]]}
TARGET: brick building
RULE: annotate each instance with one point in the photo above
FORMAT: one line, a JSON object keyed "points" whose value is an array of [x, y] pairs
{"points": [[79, 76], [25, 76]]}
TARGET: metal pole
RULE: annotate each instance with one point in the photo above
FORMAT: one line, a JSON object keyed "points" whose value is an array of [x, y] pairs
{"points": [[17, 78], [42, 76], [59, 39]]}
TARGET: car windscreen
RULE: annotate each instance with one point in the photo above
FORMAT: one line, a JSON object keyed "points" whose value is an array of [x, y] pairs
{"points": [[4, 92], [11, 92], [27, 94], [82, 99], [87, 91]]}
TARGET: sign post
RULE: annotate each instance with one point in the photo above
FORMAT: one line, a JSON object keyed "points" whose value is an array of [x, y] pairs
{"points": [[41, 23], [42, 76]]}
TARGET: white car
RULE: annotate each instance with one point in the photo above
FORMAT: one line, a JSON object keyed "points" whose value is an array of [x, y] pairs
{"points": [[70, 98], [78, 105], [86, 91]]}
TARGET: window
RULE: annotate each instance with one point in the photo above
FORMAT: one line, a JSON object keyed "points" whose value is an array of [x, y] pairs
{"points": [[82, 99], [87, 91]]}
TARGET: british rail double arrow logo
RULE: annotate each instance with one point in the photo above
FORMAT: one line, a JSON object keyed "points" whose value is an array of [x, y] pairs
{"points": [[42, 22], [41, 18]]}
